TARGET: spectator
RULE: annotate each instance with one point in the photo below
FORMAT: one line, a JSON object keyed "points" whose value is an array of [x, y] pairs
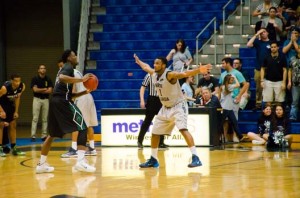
{"points": [[273, 75], [291, 45], [261, 42], [294, 83], [262, 11], [273, 25], [207, 99], [188, 90], [229, 84], [181, 57], [10, 97], [41, 86], [237, 64], [210, 82], [280, 123], [263, 125]]}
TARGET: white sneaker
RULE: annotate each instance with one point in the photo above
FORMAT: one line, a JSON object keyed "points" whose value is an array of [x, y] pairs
{"points": [[44, 168], [258, 142], [84, 167]]}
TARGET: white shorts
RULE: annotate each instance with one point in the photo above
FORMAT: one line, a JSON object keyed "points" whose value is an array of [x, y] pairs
{"points": [[273, 87], [167, 118], [87, 107]]}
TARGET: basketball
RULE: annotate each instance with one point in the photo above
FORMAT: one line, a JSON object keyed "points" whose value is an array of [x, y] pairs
{"points": [[91, 83]]}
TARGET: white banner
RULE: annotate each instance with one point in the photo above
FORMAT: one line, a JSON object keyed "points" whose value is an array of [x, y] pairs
{"points": [[123, 130]]}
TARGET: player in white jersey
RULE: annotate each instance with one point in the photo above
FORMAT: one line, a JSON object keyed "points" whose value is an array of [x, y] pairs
{"points": [[174, 110], [87, 107]]}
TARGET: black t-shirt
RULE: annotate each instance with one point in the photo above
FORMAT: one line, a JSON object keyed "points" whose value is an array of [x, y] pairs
{"points": [[41, 83], [274, 67], [11, 95], [63, 89], [212, 83]]}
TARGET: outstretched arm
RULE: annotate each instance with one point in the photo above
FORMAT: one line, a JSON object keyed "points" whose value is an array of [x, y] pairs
{"points": [[202, 69], [143, 65]]}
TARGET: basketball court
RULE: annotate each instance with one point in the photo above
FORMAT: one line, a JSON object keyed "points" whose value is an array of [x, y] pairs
{"points": [[232, 170]]}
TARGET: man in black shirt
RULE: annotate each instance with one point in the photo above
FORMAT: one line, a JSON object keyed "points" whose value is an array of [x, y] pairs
{"points": [[41, 86], [273, 75], [64, 116], [209, 82], [10, 94]]}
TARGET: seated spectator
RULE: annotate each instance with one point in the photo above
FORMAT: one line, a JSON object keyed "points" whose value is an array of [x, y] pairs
{"points": [[207, 99], [280, 123], [237, 64], [188, 90], [209, 82], [264, 125]]}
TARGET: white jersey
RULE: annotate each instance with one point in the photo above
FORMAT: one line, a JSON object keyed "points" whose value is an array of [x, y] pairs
{"points": [[169, 94], [79, 86]]}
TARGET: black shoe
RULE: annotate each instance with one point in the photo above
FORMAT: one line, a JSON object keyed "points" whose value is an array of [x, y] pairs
{"points": [[164, 145], [140, 145], [6, 149], [44, 138], [33, 139]]}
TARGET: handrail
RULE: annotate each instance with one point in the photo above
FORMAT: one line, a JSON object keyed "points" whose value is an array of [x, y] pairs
{"points": [[215, 41], [83, 33], [224, 7]]}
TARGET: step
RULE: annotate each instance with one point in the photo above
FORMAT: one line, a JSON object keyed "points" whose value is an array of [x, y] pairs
{"points": [[151, 2], [158, 17], [100, 104], [146, 35], [117, 94], [119, 83], [230, 48], [236, 29], [247, 52], [97, 10], [126, 74], [231, 39], [164, 8], [206, 58], [147, 26]]}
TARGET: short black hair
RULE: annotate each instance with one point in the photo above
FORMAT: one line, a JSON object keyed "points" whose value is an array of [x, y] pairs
{"points": [[228, 60], [13, 76], [65, 55], [163, 60]]}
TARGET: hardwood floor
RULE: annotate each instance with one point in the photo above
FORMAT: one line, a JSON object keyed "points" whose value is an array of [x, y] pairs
{"points": [[233, 170]]}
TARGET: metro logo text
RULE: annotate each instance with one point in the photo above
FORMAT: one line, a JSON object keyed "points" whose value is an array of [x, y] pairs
{"points": [[125, 127]]}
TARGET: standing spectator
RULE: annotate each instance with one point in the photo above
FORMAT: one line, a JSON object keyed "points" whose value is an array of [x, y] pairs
{"points": [[87, 107], [181, 57], [262, 46], [263, 125], [152, 106], [64, 116], [229, 84], [273, 25], [262, 11], [210, 82], [188, 90], [237, 64], [291, 46], [294, 83], [41, 86], [174, 110], [273, 75], [10, 98]]}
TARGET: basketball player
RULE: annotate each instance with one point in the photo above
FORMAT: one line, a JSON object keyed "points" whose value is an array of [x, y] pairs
{"points": [[174, 109], [64, 115], [87, 107], [10, 96]]}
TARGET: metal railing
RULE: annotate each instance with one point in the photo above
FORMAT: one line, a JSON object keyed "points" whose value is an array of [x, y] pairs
{"points": [[215, 41], [83, 34]]}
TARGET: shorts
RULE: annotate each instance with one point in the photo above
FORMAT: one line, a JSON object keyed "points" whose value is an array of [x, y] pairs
{"points": [[64, 117], [273, 87], [87, 107], [167, 118], [9, 110]]}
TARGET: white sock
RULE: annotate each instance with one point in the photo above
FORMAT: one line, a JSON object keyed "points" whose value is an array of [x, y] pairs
{"points": [[194, 150], [154, 152], [43, 159], [74, 145], [80, 154], [92, 144]]}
